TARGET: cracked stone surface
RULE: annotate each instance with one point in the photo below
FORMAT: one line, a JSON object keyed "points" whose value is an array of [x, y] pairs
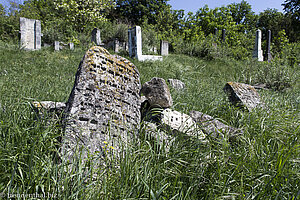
{"points": [[243, 94], [104, 103], [213, 127], [157, 92]]}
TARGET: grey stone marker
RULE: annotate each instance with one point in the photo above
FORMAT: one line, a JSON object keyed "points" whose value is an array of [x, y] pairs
{"points": [[258, 53], [223, 35], [157, 92], [269, 56], [71, 46], [104, 105], [96, 37], [241, 94], [30, 30], [176, 84], [56, 46], [214, 127], [164, 48], [135, 45]]}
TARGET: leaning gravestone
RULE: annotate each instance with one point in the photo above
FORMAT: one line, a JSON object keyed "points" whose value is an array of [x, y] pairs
{"points": [[104, 103], [30, 30], [241, 94]]}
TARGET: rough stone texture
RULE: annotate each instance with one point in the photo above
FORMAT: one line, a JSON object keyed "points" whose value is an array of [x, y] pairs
{"points": [[157, 92], [242, 94], [96, 37], [104, 103], [135, 45], [181, 122], [30, 30], [164, 48], [213, 127], [176, 84], [258, 53]]}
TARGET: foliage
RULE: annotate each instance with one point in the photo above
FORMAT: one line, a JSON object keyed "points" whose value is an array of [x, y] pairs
{"points": [[262, 164], [136, 12]]}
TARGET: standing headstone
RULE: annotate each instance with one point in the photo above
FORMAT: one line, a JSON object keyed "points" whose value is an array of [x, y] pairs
{"points": [[104, 103], [164, 48], [71, 46], [258, 53], [135, 45], [269, 56], [216, 31], [223, 35], [241, 94], [56, 46], [96, 37], [30, 30]]}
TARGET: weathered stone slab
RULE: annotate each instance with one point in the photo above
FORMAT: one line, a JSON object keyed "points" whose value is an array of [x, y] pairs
{"points": [[213, 127], [49, 110], [157, 92], [96, 36], [164, 48], [135, 45], [241, 94], [181, 122], [30, 30], [104, 103], [176, 84]]}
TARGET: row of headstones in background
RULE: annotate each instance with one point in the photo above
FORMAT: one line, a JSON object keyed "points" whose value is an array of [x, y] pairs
{"points": [[31, 34], [257, 52], [135, 45]]}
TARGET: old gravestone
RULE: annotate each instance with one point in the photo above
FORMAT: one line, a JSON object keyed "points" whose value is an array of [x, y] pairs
{"points": [[164, 48], [241, 94], [258, 53], [96, 37], [104, 103], [268, 54], [135, 45], [30, 30]]}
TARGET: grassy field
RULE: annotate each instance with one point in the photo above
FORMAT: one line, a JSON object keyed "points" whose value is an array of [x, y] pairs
{"points": [[264, 163]]}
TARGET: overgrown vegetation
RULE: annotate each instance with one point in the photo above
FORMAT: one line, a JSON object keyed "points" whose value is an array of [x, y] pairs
{"points": [[263, 163]]}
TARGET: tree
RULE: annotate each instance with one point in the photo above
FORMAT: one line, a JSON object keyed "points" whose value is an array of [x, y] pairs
{"points": [[292, 10], [138, 11]]}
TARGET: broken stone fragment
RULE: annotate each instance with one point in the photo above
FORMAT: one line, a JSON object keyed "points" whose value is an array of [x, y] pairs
{"points": [[213, 127], [176, 84], [157, 92], [180, 122], [241, 94]]}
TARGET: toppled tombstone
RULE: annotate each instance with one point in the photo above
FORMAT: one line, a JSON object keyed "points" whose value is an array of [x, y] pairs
{"points": [[241, 94], [176, 84], [157, 92], [153, 132], [213, 127], [180, 122], [31, 35], [104, 104]]}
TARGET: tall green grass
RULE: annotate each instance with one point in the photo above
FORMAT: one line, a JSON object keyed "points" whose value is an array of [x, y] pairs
{"points": [[262, 164]]}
